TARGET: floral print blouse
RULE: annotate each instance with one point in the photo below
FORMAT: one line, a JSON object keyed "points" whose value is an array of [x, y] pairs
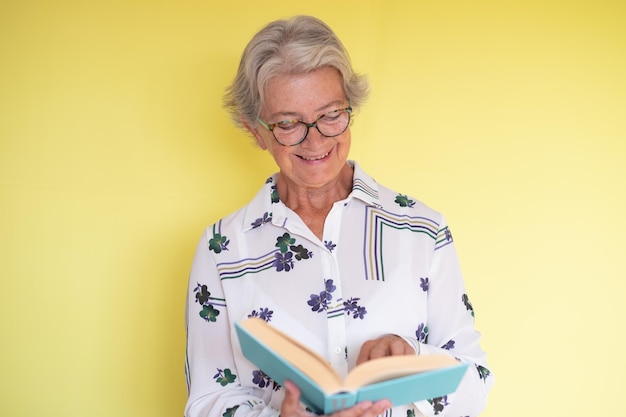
{"points": [[386, 264]]}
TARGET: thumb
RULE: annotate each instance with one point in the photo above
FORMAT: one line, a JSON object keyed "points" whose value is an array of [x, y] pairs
{"points": [[291, 403]]}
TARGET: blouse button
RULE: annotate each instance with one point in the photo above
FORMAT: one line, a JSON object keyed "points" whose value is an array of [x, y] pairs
{"points": [[338, 350]]}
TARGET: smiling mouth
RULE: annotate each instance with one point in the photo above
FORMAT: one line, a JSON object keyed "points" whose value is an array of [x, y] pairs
{"points": [[315, 158]]}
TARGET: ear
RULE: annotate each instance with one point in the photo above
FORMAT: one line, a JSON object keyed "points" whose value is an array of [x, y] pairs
{"points": [[260, 140]]}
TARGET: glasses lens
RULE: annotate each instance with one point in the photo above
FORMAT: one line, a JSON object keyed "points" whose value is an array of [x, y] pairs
{"points": [[334, 123], [289, 132]]}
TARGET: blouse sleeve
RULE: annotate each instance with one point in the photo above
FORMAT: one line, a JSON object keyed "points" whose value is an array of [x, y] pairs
{"points": [[450, 329], [212, 377]]}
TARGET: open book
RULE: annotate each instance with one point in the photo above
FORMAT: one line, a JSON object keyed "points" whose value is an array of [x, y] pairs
{"points": [[400, 379]]}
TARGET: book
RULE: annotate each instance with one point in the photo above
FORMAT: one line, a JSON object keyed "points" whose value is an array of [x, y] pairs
{"points": [[401, 379]]}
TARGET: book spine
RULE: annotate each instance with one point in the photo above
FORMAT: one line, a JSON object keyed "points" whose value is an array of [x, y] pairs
{"points": [[339, 401]]}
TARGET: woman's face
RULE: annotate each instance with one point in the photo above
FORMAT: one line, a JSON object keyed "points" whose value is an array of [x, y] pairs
{"points": [[318, 160]]}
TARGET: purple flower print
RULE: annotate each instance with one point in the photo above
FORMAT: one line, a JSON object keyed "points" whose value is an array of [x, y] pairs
{"points": [[449, 345], [267, 217], [261, 379], [320, 302], [283, 262], [263, 313], [351, 307], [422, 333]]}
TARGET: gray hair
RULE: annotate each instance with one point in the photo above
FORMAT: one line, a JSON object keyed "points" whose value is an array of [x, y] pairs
{"points": [[292, 46]]}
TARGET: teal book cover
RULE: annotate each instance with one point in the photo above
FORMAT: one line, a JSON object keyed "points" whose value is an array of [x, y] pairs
{"points": [[400, 379]]}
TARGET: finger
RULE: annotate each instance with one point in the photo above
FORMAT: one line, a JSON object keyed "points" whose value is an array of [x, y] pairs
{"points": [[291, 402], [379, 407], [388, 345], [364, 409], [364, 353], [396, 347], [400, 347], [376, 409], [356, 410], [380, 350], [373, 349]]}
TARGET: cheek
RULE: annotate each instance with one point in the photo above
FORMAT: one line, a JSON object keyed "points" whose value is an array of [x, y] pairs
{"points": [[270, 145], [345, 141]]}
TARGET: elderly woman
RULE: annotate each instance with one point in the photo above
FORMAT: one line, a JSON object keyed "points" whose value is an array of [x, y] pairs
{"points": [[343, 264]]}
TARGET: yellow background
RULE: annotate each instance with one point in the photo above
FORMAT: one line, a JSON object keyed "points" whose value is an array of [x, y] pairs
{"points": [[115, 153]]}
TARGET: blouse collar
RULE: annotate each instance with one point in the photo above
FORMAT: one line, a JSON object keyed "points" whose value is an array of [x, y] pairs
{"points": [[266, 206]]}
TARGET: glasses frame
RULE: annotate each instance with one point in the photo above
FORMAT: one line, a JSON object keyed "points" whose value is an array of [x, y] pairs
{"points": [[271, 126]]}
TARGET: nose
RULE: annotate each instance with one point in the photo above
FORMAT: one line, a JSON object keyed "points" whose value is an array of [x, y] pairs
{"points": [[313, 135]]}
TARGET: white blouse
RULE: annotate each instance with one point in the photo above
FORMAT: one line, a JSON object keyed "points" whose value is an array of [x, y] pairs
{"points": [[387, 264]]}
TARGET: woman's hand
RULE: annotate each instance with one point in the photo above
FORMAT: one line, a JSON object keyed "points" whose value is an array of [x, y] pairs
{"points": [[387, 345], [291, 406]]}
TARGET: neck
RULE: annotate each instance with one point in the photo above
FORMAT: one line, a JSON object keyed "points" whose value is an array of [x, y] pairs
{"points": [[313, 204]]}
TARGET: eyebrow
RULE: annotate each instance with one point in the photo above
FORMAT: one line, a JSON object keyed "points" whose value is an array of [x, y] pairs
{"points": [[333, 105]]}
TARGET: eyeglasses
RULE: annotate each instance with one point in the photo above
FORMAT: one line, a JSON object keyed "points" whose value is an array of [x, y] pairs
{"points": [[294, 132]]}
